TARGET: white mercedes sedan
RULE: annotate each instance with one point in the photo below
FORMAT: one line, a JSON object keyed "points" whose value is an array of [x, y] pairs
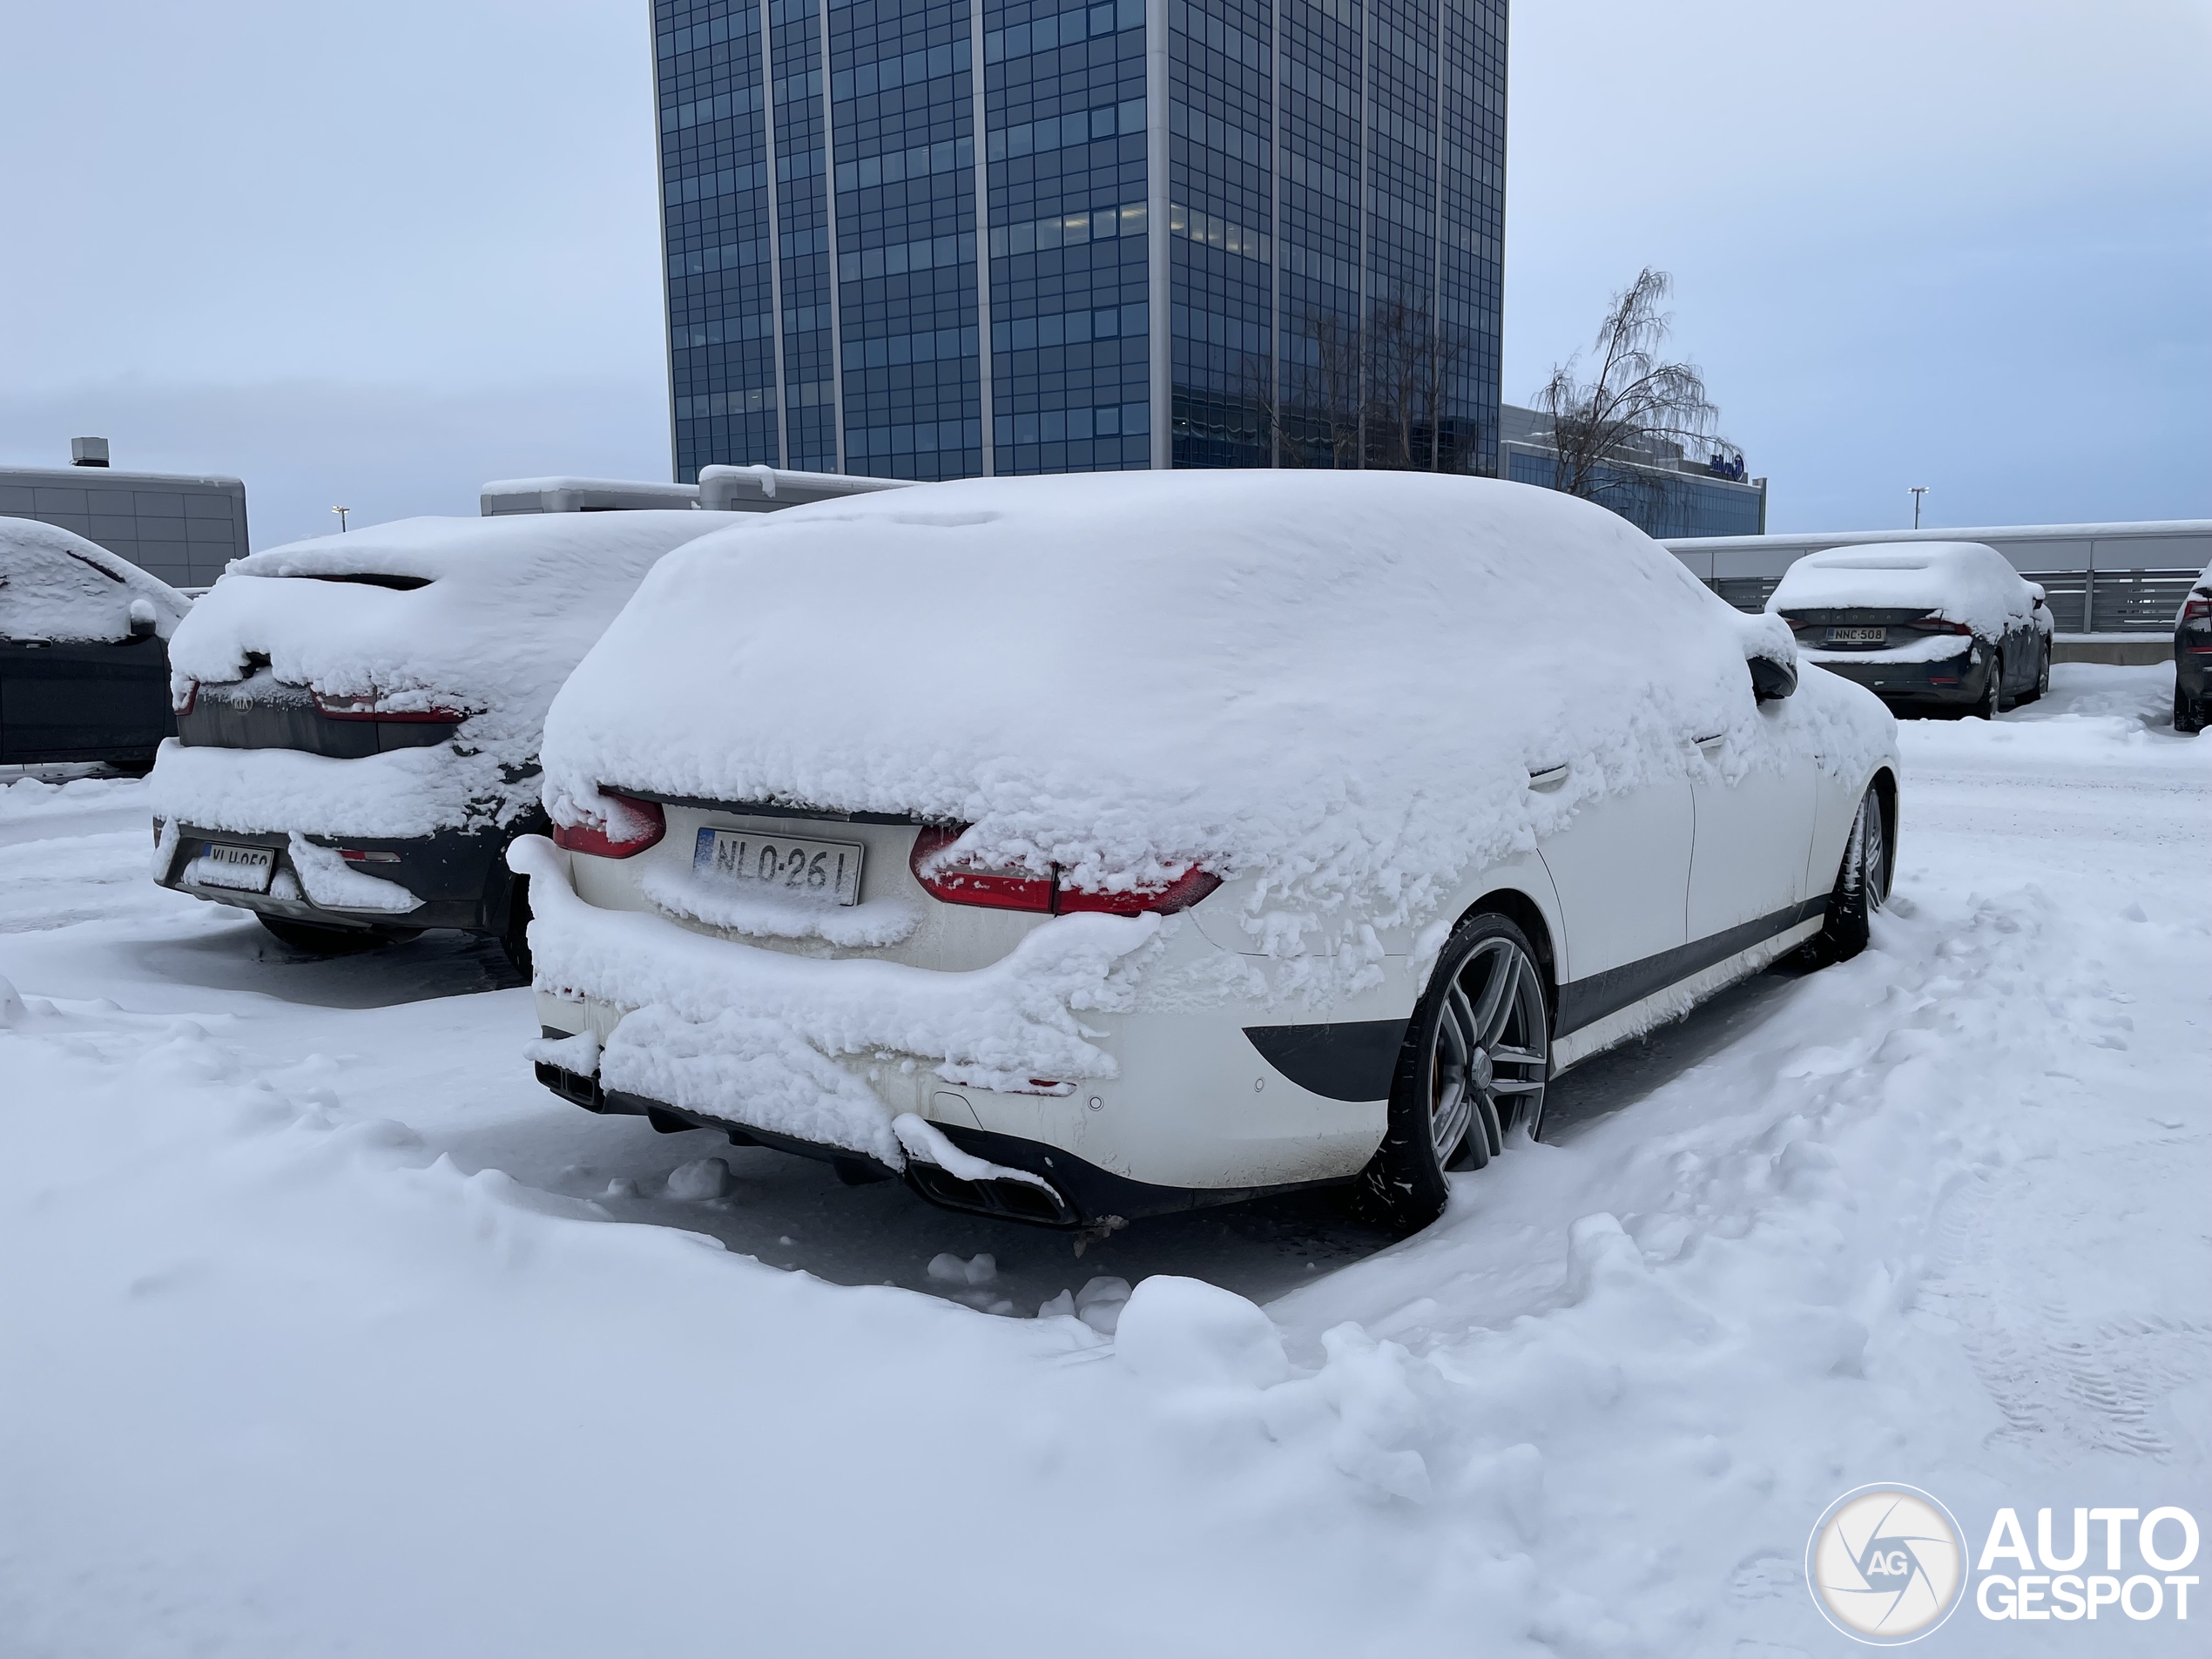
{"points": [[1077, 848]]}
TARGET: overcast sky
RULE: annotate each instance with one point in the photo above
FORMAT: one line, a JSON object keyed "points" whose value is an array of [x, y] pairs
{"points": [[378, 254]]}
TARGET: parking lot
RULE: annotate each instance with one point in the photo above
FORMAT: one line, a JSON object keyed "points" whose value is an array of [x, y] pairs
{"points": [[324, 1316]]}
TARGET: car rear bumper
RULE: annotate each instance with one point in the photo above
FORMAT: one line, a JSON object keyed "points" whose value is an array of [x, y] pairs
{"points": [[457, 878], [1949, 682], [1076, 1193]]}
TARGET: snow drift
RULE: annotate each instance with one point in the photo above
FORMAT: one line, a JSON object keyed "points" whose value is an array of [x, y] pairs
{"points": [[1961, 582], [483, 616], [1337, 683], [54, 584]]}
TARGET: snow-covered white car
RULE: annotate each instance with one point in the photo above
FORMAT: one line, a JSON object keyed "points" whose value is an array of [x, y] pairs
{"points": [[358, 717], [2192, 656], [1079, 847], [84, 651], [1927, 626]]}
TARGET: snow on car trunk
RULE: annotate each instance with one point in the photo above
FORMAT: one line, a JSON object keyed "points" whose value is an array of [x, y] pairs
{"points": [[481, 617], [1960, 582]]}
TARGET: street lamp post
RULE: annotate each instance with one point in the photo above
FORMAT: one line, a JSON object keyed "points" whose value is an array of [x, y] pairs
{"points": [[342, 511], [1918, 490]]}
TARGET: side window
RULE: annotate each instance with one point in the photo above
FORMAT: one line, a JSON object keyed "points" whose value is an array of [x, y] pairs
{"points": [[49, 593]]}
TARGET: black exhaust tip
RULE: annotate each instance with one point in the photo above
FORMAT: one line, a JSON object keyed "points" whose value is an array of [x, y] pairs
{"points": [[1007, 1200]]}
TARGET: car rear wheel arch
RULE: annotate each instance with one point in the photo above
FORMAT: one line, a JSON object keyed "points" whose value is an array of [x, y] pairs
{"points": [[1523, 912]]}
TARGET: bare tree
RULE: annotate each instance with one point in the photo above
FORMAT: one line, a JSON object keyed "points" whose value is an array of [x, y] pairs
{"points": [[1636, 409], [1375, 396]]}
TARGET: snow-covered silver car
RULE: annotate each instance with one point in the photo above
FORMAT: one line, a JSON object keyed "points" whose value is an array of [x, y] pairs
{"points": [[1079, 847], [358, 717]]}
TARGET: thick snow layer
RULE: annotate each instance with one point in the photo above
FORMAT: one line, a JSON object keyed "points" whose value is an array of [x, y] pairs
{"points": [[507, 607], [717, 1022], [323, 1317], [1964, 582], [1928, 648], [1335, 683], [54, 584], [873, 921]]}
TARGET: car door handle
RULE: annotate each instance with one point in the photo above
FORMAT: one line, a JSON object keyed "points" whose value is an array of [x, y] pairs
{"points": [[1549, 778], [1712, 742]]}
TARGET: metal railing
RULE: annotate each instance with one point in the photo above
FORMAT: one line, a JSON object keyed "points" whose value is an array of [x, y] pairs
{"points": [[2081, 601]]}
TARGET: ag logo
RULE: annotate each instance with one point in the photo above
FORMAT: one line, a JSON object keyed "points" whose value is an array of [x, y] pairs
{"points": [[1886, 1564]]}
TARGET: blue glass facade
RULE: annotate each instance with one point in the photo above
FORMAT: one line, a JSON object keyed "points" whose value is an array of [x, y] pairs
{"points": [[930, 240], [1657, 503]]}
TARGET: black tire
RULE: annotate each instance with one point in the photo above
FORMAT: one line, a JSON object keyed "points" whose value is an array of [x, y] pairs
{"points": [[312, 940], [514, 938], [1862, 886], [1475, 1062], [2187, 716], [1993, 701], [2043, 673]]}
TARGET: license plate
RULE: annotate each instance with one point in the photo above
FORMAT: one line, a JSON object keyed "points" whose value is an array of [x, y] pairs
{"points": [[246, 868], [1858, 636], [789, 865]]}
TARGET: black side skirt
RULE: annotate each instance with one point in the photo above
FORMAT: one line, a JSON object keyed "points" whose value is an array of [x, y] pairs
{"points": [[1585, 1001]]}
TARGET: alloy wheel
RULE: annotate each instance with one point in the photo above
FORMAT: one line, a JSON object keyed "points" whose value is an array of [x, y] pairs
{"points": [[1490, 1056], [1873, 852]]}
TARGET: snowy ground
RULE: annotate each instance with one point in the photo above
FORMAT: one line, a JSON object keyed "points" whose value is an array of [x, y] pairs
{"points": [[324, 1334]]}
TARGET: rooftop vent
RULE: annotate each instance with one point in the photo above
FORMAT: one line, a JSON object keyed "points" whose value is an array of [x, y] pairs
{"points": [[88, 452]]}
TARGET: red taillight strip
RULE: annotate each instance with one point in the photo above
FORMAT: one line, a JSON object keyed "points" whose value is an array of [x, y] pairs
{"points": [[1934, 623], [1019, 890], [369, 708], [647, 824]]}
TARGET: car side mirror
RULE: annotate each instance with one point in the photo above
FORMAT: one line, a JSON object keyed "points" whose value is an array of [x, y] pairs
{"points": [[143, 622], [1772, 681]]}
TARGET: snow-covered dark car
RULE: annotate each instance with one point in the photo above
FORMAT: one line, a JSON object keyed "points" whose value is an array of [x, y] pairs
{"points": [[358, 717], [1929, 627], [2193, 657], [1083, 847], [84, 651]]}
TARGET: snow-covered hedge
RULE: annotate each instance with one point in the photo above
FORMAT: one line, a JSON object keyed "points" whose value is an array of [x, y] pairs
{"points": [[1961, 582], [54, 584], [504, 609]]}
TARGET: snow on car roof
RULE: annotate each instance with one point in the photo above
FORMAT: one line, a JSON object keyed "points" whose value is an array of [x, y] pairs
{"points": [[504, 606], [483, 615], [1964, 582], [54, 584], [1338, 681]]}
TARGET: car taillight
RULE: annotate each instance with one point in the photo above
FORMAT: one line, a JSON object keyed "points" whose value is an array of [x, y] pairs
{"points": [[369, 708], [185, 701], [2197, 608], [1936, 625], [961, 882], [632, 826], [1179, 894]]}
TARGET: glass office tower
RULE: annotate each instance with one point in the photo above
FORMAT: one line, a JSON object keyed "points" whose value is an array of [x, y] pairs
{"points": [[931, 240]]}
